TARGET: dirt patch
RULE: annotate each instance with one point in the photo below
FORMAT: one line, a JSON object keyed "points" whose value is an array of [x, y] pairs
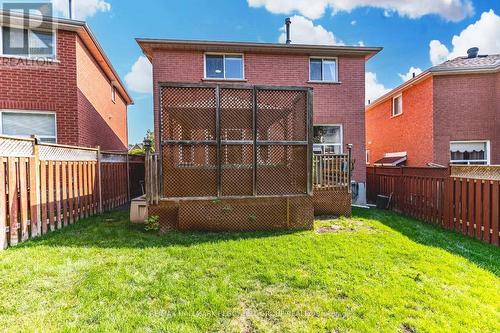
{"points": [[328, 226], [407, 328]]}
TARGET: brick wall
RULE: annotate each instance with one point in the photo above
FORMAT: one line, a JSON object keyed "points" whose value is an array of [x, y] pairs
{"points": [[411, 132], [333, 103], [45, 87], [101, 121], [466, 107]]}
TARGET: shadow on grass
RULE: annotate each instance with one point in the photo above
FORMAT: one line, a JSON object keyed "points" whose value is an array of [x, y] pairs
{"points": [[113, 230], [483, 255]]}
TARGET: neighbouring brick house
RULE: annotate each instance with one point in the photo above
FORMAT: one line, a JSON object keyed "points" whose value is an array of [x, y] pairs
{"points": [[71, 96], [448, 114], [336, 75]]}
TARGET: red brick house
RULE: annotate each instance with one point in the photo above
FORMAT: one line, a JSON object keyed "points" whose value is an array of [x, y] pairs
{"points": [[447, 114], [336, 74], [70, 96]]}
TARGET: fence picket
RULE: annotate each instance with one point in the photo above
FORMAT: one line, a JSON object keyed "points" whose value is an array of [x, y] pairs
{"points": [[12, 190], [3, 207], [33, 191], [57, 167], [23, 199], [43, 195], [486, 205], [478, 212], [495, 214]]}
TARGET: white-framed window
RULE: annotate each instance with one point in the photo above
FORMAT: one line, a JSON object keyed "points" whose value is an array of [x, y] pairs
{"points": [[470, 152], [224, 66], [397, 105], [27, 123], [27, 43], [367, 157], [113, 93], [328, 139], [323, 69]]}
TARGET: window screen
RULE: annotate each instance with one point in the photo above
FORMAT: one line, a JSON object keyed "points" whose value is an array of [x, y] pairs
{"points": [[42, 125], [41, 43]]}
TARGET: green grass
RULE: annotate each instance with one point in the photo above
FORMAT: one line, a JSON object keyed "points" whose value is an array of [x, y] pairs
{"points": [[378, 272]]}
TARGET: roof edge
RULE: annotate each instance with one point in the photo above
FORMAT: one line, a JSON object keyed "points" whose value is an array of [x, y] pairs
{"points": [[368, 52]]}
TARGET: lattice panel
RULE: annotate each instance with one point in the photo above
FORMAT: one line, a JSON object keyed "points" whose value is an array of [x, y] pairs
{"points": [[281, 169], [236, 120], [331, 202], [237, 170], [16, 147], [282, 115], [188, 113], [60, 153], [189, 170]]}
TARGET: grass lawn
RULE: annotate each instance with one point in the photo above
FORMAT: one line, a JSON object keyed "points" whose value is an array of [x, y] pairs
{"points": [[375, 272]]}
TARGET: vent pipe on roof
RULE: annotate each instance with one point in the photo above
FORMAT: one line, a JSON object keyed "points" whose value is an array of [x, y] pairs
{"points": [[287, 24], [70, 11], [472, 52]]}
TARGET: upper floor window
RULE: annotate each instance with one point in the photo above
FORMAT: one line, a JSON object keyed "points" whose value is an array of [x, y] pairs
{"points": [[323, 69], [397, 105], [224, 66], [27, 123], [469, 152], [20, 42], [113, 94]]}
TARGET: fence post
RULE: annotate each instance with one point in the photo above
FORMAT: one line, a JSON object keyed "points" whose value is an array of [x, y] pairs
{"points": [[100, 177], [35, 205], [128, 179], [147, 178]]}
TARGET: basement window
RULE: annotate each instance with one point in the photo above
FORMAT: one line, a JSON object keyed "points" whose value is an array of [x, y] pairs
{"points": [[469, 152], [29, 43], [27, 123], [224, 66]]}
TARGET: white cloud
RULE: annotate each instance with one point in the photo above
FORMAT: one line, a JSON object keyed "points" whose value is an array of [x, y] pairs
{"points": [[81, 8], [450, 10], [438, 52], [373, 88], [303, 31], [484, 33], [409, 75], [140, 77], [353, 22]]}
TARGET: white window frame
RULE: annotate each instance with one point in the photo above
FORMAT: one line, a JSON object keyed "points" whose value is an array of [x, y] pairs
{"points": [[468, 162], [323, 145], [393, 114], [336, 80], [28, 56], [223, 66], [2, 111]]}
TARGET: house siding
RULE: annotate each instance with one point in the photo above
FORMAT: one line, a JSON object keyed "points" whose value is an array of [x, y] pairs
{"points": [[410, 132], [332, 104], [466, 107], [101, 121]]}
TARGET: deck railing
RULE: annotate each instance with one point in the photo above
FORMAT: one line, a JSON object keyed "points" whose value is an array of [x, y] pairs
{"points": [[331, 172]]}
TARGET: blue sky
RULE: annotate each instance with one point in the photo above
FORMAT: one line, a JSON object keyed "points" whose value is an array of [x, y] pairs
{"points": [[404, 28]]}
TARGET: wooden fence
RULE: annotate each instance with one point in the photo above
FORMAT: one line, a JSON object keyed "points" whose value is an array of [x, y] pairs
{"points": [[45, 187], [464, 199]]}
